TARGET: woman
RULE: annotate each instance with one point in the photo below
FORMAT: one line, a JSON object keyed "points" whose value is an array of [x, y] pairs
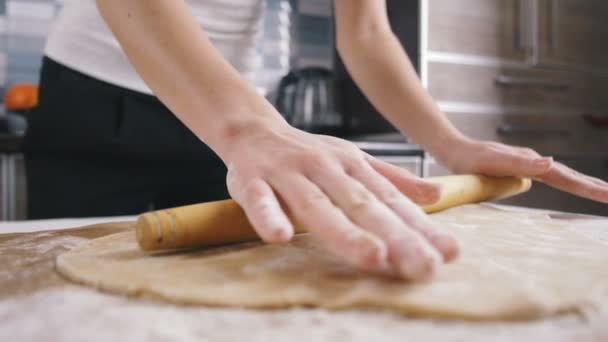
{"points": [[101, 144]]}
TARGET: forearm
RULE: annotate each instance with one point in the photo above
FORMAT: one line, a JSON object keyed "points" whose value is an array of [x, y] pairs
{"points": [[177, 61], [381, 68]]}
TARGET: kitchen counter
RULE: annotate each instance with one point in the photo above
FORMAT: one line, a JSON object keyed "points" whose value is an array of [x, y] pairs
{"points": [[377, 148], [386, 144], [37, 304]]}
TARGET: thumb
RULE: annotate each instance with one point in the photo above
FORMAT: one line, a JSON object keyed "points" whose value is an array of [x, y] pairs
{"points": [[515, 163]]}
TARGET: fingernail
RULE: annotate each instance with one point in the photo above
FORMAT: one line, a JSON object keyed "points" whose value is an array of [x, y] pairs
{"points": [[280, 235], [447, 244], [430, 194], [543, 162], [371, 252], [375, 256], [419, 265]]}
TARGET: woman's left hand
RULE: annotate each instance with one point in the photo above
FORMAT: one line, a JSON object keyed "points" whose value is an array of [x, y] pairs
{"points": [[496, 159]]}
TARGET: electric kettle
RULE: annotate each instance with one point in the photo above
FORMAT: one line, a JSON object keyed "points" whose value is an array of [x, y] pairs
{"points": [[306, 98]]}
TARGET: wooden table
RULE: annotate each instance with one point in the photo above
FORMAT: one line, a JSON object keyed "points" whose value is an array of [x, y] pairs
{"points": [[36, 304]]}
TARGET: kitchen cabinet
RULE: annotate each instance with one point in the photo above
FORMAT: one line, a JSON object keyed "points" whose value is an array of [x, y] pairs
{"points": [[477, 27], [512, 88], [573, 33], [549, 134], [523, 72], [564, 34]]}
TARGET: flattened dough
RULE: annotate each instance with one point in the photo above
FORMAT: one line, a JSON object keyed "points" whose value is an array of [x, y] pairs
{"points": [[513, 265]]}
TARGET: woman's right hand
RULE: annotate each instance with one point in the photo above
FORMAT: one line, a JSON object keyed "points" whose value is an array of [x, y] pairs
{"points": [[361, 208], [331, 188]]}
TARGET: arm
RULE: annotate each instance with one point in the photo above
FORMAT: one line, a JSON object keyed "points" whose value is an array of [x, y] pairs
{"points": [[341, 196], [177, 61], [377, 62]]}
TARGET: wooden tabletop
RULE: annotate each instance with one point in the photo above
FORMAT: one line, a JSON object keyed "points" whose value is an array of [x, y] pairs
{"points": [[37, 304]]}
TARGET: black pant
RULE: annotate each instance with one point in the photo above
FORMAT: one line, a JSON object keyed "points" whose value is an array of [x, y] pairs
{"points": [[95, 149]]}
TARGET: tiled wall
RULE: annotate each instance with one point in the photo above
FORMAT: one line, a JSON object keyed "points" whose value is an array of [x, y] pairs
{"points": [[25, 23]]}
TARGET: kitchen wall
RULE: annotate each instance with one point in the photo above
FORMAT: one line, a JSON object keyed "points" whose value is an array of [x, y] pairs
{"points": [[360, 115]]}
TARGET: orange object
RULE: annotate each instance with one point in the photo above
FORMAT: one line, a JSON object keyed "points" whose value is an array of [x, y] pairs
{"points": [[21, 96]]}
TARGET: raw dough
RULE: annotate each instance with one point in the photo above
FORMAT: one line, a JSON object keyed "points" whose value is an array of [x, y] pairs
{"points": [[514, 265]]}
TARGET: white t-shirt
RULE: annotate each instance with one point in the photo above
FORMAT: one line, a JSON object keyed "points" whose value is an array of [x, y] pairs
{"points": [[81, 40]]}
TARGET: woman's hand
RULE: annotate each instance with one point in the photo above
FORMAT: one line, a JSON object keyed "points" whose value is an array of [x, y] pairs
{"points": [[491, 158], [361, 208]]}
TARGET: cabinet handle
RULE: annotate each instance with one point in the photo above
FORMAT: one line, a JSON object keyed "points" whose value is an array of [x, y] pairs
{"points": [[510, 81], [523, 130]]}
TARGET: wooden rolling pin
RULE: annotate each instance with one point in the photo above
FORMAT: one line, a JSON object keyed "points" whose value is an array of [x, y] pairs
{"points": [[224, 222]]}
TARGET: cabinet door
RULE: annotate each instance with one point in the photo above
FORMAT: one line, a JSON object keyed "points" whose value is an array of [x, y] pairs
{"points": [[573, 33], [530, 89], [477, 27], [546, 133]]}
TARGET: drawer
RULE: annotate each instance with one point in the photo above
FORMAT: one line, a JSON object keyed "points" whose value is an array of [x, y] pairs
{"points": [[548, 134], [569, 33], [527, 88], [476, 27]]}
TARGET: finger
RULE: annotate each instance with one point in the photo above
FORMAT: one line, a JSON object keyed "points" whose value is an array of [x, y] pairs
{"points": [[312, 209], [597, 181], [532, 154], [569, 180], [506, 161], [406, 210], [411, 255], [263, 211], [417, 189]]}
